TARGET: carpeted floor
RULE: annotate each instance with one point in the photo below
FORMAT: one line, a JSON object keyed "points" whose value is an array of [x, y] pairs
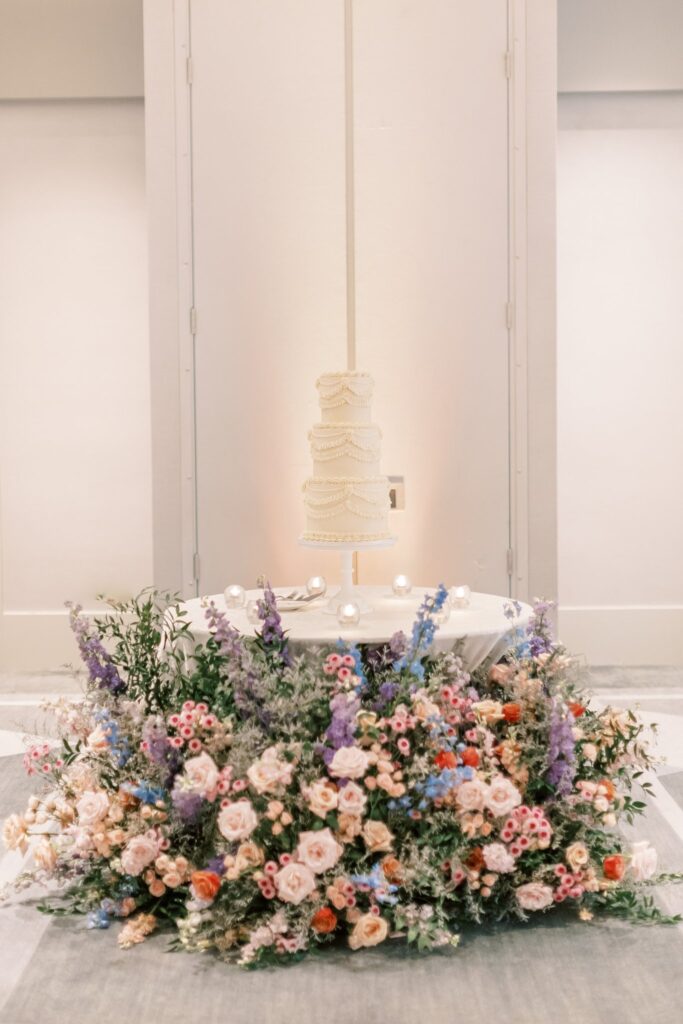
{"points": [[555, 971]]}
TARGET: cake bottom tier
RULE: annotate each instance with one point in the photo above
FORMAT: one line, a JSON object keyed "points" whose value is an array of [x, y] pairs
{"points": [[346, 509]]}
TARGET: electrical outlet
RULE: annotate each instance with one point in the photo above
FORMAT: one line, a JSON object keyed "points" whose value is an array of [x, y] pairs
{"points": [[397, 492]]}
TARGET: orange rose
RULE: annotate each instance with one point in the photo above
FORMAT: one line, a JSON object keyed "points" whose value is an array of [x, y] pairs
{"points": [[324, 921], [205, 884], [470, 756], [446, 759], [613, 867], [475, 860], [608, 786], [392, 868], [576, 709], [512, 712]]}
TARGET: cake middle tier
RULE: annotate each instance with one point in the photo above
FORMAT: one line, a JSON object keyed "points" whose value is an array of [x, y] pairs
{"points": [[345, 449], [346, 509]]}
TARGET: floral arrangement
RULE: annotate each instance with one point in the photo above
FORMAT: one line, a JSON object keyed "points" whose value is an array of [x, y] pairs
{"points": [[264, 804]]}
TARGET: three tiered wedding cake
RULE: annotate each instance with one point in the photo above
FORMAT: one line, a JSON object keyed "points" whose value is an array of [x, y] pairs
{"points": [[346, 499]]}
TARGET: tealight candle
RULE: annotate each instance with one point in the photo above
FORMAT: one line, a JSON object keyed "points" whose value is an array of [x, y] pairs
{"points": [[253, 612], [316, 586], [235, 596], [459, 597], [348, 614], [401, 585]]}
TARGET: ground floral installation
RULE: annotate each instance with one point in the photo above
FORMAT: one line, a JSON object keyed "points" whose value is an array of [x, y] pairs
{"points": [[263, 804]]}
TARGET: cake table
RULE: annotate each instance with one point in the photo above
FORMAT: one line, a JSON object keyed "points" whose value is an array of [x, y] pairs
{"points": [[483, 626]]}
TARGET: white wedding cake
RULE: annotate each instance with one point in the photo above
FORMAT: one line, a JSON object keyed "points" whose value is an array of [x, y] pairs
{"points": [[346, 499]]}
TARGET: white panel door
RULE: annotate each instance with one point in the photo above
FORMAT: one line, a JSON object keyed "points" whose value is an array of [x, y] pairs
{"points": [[268, 158], [432, 272], [431, 268]]}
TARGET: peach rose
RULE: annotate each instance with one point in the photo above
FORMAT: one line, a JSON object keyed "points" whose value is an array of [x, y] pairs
{"points": [[352, 799], [377, 837], [97, 740], [14, 832], [471, 795], [501, 674], [294, 882], [92, 807], [319, 850], [45, 855], [369, 930], [201, 776], [269, 773], [502, 796], [577, 856], [488, 710], [322, 798], [139, 853], [534, 896], [249, 855], [205, 885], [237, 820], [349, 763]]}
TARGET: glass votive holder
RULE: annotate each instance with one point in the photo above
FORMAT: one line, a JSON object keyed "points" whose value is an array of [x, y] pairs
{"points": [[316, 586], [348, 614], [401, 585], [235, 596], [442, 615], [459, 597], [253, 612]]}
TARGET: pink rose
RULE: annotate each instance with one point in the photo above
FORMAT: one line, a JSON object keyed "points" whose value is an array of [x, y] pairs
{"points": [[92, 807], [237, 820], [319, 850], [502, 796], [534, 896], [471, 795], [349, 763], [201, 776], [498, 859], [269, 774], [139, 853], [294, 882], [352, 799]]}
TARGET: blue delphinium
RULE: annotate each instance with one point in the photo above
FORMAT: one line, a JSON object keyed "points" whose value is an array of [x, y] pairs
{"points": [[98, 918], [423, 632], [376, 882], [118, 744]]}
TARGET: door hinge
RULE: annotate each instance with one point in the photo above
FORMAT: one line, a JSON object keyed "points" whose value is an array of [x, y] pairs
{"points": [[509, 315], [196, 567], [510, 561], [508, 63], [193, 321], [188, 70]]}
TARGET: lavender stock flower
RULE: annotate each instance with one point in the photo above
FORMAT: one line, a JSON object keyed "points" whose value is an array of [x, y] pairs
{"points": [[272, 633], [561, 750]]}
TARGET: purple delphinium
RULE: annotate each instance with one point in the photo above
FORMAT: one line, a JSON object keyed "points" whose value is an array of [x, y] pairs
{"points": [[342, 728], [561, 750], [216, 864], [187, 805], [538, 629], [228, 639], [272, 633], [386, 693], [101, 669]]}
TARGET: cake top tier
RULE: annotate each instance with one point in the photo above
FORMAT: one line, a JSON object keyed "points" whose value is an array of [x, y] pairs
{"points": [[345, 397]]}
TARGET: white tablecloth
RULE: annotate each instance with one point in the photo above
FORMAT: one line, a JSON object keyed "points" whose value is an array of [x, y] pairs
{"points": [[483, 625]]}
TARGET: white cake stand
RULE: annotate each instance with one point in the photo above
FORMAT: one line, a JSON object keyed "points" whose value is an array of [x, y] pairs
{"points": [[348, 592]]}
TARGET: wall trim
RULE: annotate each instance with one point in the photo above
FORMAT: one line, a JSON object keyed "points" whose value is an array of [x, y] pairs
{"points": [[624, 634]]}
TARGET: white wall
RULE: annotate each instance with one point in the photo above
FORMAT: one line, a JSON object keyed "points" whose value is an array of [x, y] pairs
{"points": [[75, 449], [620, 267]]}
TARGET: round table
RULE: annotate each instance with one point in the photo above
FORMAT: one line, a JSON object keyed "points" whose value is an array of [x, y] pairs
{"points": [[482, 626]]}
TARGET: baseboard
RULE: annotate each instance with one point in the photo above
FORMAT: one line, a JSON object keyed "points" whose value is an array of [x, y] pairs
{"points": [[624, 634]]}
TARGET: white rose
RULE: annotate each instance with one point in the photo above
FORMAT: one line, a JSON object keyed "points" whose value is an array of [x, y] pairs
{"points": [[237, 821], [369, 930], [498, 859], [139, 853], [268, 774], [502, 796], [643, 861], [92, 807], [349, 763], [294, 882], [352, 799], [534, 896], [471, 795], [319, 850], [322, 798], [202, 776]]}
